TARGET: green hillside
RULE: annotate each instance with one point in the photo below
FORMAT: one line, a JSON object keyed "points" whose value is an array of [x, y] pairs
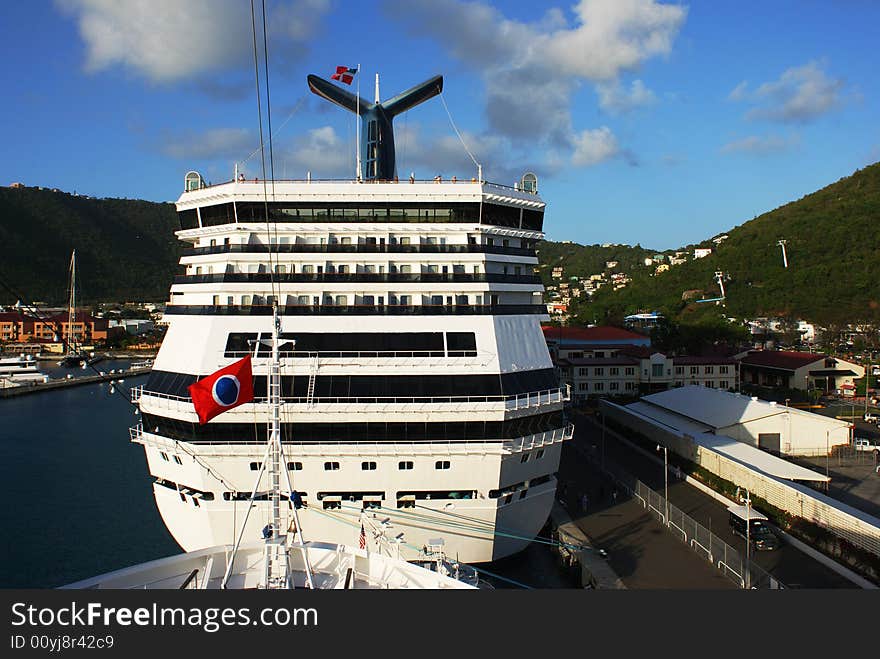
{"points": [[125, 248], [584, 260], [833, 236]]}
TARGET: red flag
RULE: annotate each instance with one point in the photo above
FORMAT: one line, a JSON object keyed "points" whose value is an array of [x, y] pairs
{"points": [[227, 388], [362, 543], [344, 74]]}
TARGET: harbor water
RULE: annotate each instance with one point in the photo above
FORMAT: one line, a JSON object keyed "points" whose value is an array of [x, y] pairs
{"points": [[79, 499]]}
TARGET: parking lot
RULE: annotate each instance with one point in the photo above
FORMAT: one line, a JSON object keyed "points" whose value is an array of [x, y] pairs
{"points": [[853, 479]]}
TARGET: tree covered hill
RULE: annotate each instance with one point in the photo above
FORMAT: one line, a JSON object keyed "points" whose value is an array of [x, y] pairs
{"points": [[833, 245], [124, 248], [584, 260]]}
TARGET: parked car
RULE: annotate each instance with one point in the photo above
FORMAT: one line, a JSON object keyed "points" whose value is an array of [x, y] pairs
{"points": [[759, 533], [865, 444]]}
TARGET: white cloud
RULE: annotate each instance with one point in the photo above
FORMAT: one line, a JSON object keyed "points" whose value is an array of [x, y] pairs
{"points": [[740, 92], [320, 151], [169, 40], [799, 95], [228, 144], [762, 145], [616, 99], [594, 146], [532, 70]]}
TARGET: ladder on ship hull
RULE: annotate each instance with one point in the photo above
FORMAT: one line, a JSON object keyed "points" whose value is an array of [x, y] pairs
{"points": [[313, 376]]}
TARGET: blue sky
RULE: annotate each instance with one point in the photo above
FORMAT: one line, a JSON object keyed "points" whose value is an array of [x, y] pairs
{"points": [[647, 122]]}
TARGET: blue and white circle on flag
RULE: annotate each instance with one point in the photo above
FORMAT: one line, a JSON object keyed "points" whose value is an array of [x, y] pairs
{"points": [[225, 390]]}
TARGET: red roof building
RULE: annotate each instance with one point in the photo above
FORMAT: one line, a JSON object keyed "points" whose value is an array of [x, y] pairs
{"points": [[798, 370]]}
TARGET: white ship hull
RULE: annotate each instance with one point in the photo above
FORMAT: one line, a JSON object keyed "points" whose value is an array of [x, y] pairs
{"points": [[417, 385]]}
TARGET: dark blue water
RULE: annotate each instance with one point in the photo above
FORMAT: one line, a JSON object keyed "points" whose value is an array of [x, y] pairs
{"points": [[78, 500], [77, 495]]}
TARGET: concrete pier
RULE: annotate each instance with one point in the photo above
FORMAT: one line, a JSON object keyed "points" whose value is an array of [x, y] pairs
{"points": [[24, 389]]}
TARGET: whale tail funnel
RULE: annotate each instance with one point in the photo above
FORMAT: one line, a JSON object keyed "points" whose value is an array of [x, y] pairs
{"points": [[377, 134]]}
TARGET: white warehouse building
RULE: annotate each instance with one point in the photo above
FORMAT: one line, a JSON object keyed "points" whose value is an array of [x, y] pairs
{"points": [[766, 425]]}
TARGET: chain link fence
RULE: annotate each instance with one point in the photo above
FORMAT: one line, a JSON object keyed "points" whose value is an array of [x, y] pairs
{"points": [[701, 540]]}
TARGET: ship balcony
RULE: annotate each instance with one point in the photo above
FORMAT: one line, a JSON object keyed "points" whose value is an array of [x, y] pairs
{"points": [[433, 448], [513, 404], [357, 278], [358, 248], [361, 309]]}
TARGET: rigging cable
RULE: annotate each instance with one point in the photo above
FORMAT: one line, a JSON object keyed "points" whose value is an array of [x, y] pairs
{"points": [[460, 138], [419, 549], [262, 147]]}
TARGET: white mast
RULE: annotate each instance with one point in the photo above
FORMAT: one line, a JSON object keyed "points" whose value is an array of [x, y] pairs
{"points": [[71, 309], [277, 558], [357, 123], [377, 88]]}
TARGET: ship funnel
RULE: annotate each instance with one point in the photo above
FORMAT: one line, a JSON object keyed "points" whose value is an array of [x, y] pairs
{"points": [[377, 131]]}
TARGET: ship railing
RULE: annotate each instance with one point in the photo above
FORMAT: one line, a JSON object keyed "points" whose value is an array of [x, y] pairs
{"points": [[437, 180], [355, 248], [401, 449], [437, 359], [510, 402], [357, 277]]}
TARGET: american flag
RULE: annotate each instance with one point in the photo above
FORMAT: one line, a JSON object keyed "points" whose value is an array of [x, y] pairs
{"points": [[362, 543], [344, 74]]}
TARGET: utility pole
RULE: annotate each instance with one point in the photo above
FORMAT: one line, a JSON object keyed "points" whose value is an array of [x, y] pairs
{"points": [[781, 243], [719, 277]]}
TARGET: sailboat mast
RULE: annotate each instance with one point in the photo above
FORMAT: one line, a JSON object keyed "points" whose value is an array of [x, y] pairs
{"points": [[71, 310]]}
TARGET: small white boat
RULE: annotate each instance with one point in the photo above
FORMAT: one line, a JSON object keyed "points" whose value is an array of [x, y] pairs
{"points": [[16, 371]]}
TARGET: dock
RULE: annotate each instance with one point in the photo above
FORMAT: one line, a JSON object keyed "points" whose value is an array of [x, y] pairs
{"points": [[51, 385]]}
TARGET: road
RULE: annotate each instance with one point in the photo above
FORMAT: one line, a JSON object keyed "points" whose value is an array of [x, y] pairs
{"points": [[791, 566], [641, 552]]}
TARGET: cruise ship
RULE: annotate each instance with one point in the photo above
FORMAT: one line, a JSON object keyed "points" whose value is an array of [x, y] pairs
{"points": [[416, 386]]}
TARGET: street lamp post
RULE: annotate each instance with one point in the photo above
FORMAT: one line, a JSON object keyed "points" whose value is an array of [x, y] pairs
{"points": [[665, 482], [827, 459], [747, 577]]}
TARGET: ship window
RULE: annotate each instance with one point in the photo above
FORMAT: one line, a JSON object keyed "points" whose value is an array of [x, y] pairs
{"points": [[405, 465], [255, 466], [164, 456], [522, 495], [195, 502], [294, 466], [368, 466], [332, 505], [441, 464], [524, 458], [177, 460], [331, 466], [539, 454]]}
